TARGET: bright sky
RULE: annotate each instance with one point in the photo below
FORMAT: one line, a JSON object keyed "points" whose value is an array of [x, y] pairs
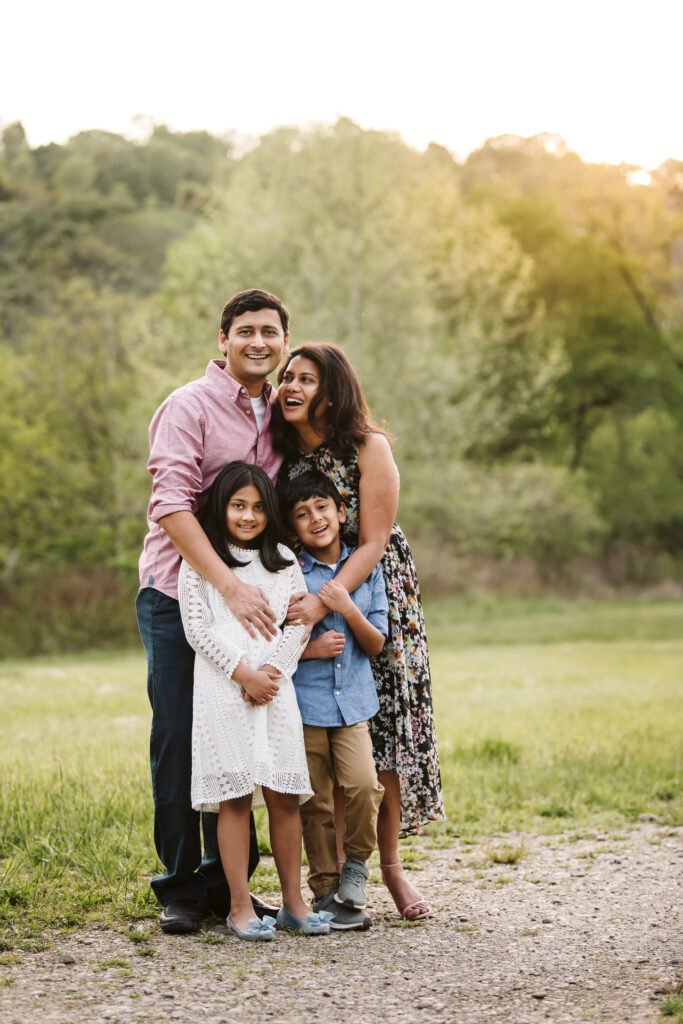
{"points": [[603, 74]]}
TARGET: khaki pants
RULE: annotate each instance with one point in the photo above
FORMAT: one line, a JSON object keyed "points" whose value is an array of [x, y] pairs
{"points": [[342, 754]]}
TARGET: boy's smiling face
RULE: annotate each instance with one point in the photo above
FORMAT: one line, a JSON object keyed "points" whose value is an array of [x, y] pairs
{"points": [[316, 523]]}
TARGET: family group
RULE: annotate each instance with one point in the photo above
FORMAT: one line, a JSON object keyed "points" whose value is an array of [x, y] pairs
{"points": [[287, 660]]}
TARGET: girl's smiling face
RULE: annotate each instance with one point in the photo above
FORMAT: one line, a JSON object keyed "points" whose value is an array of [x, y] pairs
{"points": [[245, 516], [300, 383]]}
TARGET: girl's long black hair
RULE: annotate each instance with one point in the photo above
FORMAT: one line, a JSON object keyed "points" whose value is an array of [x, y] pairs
{"points": [[212, 517]]}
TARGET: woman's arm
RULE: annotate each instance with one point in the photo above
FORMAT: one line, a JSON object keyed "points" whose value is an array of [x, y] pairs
{"points": [[378, 502]]}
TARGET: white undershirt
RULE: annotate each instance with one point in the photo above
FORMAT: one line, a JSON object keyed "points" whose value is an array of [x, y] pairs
{"points": [[259, 405]]}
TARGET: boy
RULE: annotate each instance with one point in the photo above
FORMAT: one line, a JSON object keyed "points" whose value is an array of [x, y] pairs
{"points": [[336, 693]]}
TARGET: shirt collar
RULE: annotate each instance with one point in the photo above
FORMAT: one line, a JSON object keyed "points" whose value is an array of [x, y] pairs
{"points": [[307, 560], [215, 372]]}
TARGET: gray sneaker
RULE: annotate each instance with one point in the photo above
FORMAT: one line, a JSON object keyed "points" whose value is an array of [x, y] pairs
{"points": [[351, 891], [344, 919]]}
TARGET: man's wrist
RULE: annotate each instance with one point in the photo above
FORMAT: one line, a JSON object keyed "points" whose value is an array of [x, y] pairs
{"points": [[229, 586]]}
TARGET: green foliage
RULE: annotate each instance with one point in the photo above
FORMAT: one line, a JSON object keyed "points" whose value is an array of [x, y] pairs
{"points": [[518, 321], [672, 1006], [45, 612]]}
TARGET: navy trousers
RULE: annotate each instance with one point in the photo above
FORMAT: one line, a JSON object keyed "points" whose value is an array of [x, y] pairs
{"points": [[170, 677]]}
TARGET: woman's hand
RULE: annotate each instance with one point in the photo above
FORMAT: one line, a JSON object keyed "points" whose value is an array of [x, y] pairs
{"points": [[305, 610]]}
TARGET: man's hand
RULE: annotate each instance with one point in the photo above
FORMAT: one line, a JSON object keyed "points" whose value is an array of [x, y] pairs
{"points": [[305, 610], [250, 607], [327, 645], [336, 598]]}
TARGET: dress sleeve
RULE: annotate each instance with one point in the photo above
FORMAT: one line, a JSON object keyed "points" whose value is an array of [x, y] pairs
{"points": [[292, 641], [200, 626]]}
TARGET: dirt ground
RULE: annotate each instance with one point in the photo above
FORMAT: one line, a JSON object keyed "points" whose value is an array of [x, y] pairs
{"points": [[574, 930]]}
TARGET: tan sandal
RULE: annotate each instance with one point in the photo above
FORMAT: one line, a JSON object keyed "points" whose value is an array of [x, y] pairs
{"points": [[418, 910]]}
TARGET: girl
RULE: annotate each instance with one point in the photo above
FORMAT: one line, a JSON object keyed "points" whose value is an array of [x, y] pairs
{"points": [[322, 422], [247, 738]]}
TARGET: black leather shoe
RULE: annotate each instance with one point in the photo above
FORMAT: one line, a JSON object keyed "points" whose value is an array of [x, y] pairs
{"points": [[182, 917], [262, 909]]}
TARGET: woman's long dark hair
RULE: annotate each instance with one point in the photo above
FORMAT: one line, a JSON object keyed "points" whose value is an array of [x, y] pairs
{"points": [[212, 517], [347, 417]]}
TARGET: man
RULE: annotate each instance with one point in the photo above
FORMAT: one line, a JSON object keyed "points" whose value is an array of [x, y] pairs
{"points": [[223, 416]]}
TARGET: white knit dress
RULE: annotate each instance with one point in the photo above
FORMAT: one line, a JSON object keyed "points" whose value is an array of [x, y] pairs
{"points": [[239, 746]]}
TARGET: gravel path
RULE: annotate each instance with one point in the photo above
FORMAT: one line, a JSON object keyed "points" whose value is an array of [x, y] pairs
{"points": [[575, 930]]}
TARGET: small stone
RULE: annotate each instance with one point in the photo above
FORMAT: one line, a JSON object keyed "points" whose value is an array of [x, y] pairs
{"points": [[67, 958], [538, 995], [546, 920], [648, 817]]}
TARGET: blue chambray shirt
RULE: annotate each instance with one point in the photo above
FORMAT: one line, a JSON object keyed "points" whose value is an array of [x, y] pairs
{"points": [[340, 691]]}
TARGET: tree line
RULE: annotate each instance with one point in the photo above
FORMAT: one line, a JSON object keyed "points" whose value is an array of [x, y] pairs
{"points": [[517, 320]]}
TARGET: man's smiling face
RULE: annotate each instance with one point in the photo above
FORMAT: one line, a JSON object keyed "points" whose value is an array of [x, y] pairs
{"points": [[254, 345]]}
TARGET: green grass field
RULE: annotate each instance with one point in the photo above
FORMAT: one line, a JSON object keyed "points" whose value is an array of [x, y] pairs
{"points": [[551, 716]]}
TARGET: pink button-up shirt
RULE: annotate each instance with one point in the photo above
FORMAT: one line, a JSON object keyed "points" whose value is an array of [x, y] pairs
{"points": [[197, 431]]}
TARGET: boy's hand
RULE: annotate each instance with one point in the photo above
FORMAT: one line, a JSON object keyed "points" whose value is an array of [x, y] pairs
{"points": [[327, 645], [336, 597]]}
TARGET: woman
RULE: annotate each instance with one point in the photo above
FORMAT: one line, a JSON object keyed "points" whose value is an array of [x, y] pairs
{"points": [[322, 422]]}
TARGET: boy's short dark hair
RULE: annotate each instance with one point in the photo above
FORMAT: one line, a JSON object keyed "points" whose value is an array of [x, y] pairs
{"points": [[251, 301], [311, 484]]}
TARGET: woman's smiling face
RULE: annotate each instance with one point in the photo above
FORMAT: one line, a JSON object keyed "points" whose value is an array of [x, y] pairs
{"points": [[300, 383]]}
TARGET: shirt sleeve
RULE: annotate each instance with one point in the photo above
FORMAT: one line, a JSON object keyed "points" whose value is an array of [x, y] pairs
{"points": [[200, 626], [176, 452], [292, 645], [379, 606]]}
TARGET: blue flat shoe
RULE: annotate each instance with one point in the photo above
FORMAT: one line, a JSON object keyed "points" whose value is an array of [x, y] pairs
{"points": [[259, 930], [315, 923]]}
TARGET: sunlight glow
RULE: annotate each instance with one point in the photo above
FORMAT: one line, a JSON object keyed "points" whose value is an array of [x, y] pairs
{"points": [[604, 77]]}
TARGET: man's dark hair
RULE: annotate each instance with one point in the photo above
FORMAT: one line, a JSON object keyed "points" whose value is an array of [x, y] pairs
{"points": [[250, 302], [310, 484], [234, 477]]}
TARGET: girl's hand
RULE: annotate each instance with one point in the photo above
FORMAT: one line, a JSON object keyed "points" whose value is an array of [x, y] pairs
{"points": [[336, 597], [327, 645], [271, 671], [261, 686], [305, 610]]}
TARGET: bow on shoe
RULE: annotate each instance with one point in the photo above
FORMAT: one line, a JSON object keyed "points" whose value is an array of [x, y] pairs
{"points": [[316, 917], [262, 924]]}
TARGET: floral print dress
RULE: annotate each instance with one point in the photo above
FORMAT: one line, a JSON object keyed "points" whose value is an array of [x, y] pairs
{"points": [[403, 735]]}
